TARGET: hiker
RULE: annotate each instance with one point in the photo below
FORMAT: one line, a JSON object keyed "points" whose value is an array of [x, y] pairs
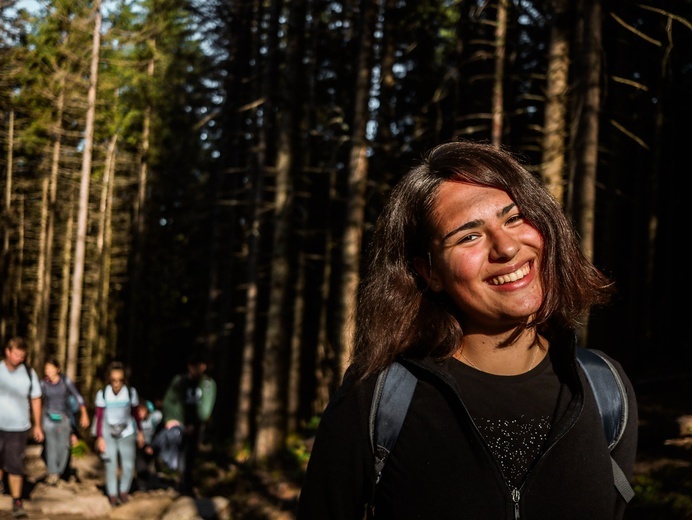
{"points": [[149, 419], [118, 432], [476, 284], [187, 404], [57, 390], [20, 415]]}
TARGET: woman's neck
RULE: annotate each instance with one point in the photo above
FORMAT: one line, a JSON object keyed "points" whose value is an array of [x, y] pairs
{"points": [[492, 354]]}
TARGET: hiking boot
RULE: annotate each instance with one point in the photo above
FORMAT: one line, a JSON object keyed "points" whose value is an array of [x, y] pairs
{"points": [[18, 510], [52, 479], [124, 498], [113, 501]]}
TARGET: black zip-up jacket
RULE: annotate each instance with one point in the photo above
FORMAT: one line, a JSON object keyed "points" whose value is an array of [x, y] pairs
{"points": [[441, 468]]}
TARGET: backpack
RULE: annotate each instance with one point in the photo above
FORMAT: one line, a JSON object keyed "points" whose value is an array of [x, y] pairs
{"points": [[395, 386], [129, 398], [72, 404]]}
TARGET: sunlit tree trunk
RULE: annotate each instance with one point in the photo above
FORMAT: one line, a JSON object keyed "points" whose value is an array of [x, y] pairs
{"points": [[499, 79], [80, 244], [45, 268], [6, 262], [19, 268], [554, 129], [587, 110], [588, 92], [140, 221], [64, 303], [98, 315], [357, 180], [40, 271]]}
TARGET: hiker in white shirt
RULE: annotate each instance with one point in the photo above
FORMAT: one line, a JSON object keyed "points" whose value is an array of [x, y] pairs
{"points": [[20, 407], [118, 432]]}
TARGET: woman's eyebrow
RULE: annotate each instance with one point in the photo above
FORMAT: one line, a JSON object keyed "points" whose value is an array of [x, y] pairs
{"points": [[478, 222]]}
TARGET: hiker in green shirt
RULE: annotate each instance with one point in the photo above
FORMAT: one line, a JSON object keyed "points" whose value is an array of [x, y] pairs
{"points": [[188, 403]]}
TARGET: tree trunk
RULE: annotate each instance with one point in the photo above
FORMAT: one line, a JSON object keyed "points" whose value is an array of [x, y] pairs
{"points": [[555, 125], [134, 329], [64, 305], [40, 272], [272, 425], [325, 375], [6, 261], [357, 180], [80, 244], [92, 350], [17, 279], [589, 95], [587, 104], [499, 79]]}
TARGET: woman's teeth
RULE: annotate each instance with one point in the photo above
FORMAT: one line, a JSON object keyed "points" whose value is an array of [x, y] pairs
{"points": [[512, 277]]}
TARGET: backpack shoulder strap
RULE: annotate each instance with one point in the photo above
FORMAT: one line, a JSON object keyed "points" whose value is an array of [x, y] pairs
{"points": [[390, 402], [31, 379], [611, 399]]}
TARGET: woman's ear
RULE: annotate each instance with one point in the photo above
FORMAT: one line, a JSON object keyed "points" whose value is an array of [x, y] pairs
{"points": [[424, 268]]}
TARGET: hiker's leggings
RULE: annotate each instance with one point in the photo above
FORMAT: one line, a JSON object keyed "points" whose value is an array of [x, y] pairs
{"points": [[124, 448], [56, 447]]}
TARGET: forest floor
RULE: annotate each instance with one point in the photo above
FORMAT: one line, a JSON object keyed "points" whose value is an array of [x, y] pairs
{"points": [[233, 491]]}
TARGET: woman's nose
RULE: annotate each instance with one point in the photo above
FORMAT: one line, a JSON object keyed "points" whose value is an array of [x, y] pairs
{"points": [[505, 246]]}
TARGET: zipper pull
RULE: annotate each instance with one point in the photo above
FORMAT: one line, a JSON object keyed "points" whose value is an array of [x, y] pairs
{"points": [[516, 496]]}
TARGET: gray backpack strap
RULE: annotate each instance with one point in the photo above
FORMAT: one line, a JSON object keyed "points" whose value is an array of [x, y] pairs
{"points": [[611, 399], [390, 402], [31, 380]]}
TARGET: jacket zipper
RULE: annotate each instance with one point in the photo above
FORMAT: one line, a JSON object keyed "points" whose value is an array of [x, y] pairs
{"points": [[516, 497]]}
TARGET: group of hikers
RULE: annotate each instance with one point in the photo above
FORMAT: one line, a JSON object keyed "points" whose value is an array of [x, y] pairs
{"points": [[131, 435]]}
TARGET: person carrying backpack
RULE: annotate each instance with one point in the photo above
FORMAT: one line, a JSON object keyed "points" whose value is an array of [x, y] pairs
{"points": [[187, 406], [20, 416], [118, 432], [149, 419], [57, 388], [475, 286]]}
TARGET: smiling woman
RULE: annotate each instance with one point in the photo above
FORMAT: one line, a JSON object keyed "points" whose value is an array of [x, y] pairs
{"points": [[475, 285]]}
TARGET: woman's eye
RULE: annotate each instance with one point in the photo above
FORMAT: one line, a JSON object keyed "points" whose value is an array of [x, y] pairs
{"points": [[468, 238], [515, 218]]}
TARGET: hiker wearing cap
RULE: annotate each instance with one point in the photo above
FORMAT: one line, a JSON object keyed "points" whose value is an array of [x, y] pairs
{"points": [[476, 285]]}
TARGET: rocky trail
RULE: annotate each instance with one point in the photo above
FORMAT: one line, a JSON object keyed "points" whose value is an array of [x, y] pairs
{"points": [[83, 497]]}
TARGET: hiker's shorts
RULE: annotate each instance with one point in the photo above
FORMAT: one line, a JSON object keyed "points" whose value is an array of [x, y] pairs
{"points": [[12, 447]]}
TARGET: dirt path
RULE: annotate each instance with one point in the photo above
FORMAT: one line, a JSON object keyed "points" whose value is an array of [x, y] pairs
{"points": [[83, 497]]}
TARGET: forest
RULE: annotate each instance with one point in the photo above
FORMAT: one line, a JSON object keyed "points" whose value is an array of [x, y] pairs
{"points": [[205, 174]]}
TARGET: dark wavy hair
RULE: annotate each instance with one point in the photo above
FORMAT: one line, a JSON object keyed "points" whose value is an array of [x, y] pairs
{"points": [[397, 314], [52, 360]]}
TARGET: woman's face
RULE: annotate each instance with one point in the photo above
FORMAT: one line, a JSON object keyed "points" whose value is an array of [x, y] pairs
{"points": [[485, 256], [117, 380], [51, 371]]}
